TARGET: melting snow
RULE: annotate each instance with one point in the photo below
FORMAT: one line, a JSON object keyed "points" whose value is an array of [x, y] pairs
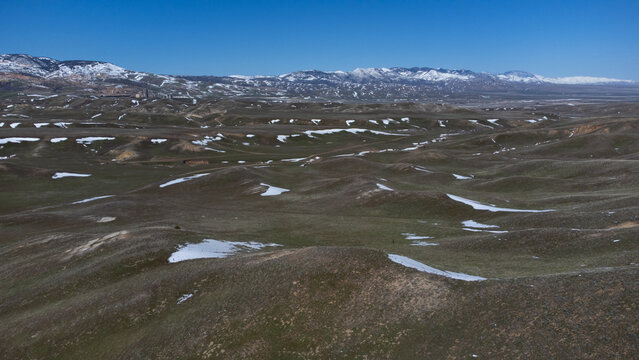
{"points": [[282, 138], [411, 236], [462, 177], [479, 206], [210, 248], [14, 125], [92, 199], [57, 140], [420, 168], [475, 224], [177, 181], [310, 133], [61, 124], [423, 243], [490, 231], [408, 262], [294, 159], [39, 125], [91, 139], [383, 187], [476, 122], [183, 298], [273, 190], [60, 175], [17, 140]]}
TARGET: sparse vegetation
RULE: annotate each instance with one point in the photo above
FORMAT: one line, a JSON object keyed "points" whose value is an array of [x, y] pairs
{"points": [[561, 283]]}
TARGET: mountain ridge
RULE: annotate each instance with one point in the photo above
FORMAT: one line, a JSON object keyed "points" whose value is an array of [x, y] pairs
{"points": [[19, 71]]}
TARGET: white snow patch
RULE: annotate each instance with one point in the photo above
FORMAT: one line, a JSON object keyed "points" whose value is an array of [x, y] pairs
{"points": [[180, 180], [383, 187], [349, 122], [411, 236], [423, 243], [14, 125], [92, 199], [106, 219], [60, 175], [183, 298], [17, 140], [96, 115], [316, 121], [62, 125], [210, 248], [310, 133], [408, 262], [273, 190], [294, 159], [462, 177], [158, 141], [479, 206], [475, 224], [89, 140], [490, 231], [282, 138], [39, 125], [421, 168], [57, 140], [476, 122]]}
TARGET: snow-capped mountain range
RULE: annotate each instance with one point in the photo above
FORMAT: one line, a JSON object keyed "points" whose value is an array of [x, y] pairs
{"points": [[359, 84]]}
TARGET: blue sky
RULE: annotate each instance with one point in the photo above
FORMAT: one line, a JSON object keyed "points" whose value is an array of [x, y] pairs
{"points": [[552, 38]]}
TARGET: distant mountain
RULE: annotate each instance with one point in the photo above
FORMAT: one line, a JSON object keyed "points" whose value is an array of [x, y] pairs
{"points": [[20, 72]]}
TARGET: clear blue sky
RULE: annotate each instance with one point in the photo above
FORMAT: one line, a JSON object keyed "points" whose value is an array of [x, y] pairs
{"points": [[552, 38]]}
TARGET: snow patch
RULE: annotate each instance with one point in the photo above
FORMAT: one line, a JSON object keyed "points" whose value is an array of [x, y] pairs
{"points": [[408, 262], [92, 199], [217, 249], [89, 140], [479, 206], [462, 177], [60, 175], [273, 190], [17, 140], [180, 180]]}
